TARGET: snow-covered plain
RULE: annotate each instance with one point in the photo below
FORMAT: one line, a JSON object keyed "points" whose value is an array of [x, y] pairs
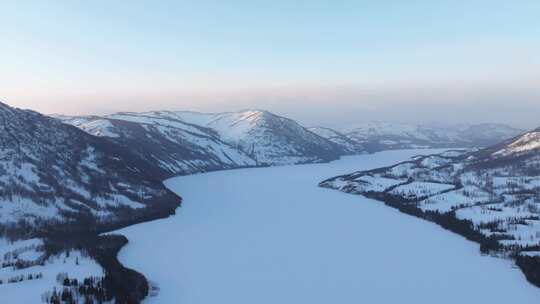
{"points": [[270, 235]]}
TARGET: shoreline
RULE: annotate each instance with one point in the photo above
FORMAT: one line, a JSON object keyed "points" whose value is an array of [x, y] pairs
{"points": [[529, 265], [238, 230]]}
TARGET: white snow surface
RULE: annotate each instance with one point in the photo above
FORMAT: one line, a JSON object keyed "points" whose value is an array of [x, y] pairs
{"points": [[30, 291], [270, 235], [527, 142], [371, 183], [419, 189], [444, 202]]}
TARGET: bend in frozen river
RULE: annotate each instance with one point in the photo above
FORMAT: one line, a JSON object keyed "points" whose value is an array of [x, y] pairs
{"points": [[270, 235]]}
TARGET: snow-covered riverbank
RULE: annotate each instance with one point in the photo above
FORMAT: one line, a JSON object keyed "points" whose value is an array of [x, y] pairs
{"points": [[270, 235]]}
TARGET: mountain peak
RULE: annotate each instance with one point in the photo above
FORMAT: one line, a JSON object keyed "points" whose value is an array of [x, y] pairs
{"points": [[241, 138]]}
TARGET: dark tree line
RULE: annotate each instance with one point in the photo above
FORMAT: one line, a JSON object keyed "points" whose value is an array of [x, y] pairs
{"points": [[120, 283], [91, 290], [530, 265]]}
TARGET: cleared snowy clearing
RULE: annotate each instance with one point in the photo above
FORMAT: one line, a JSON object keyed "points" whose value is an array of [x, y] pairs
{"points": [[44, 277], [419, 189], [271, 235]]}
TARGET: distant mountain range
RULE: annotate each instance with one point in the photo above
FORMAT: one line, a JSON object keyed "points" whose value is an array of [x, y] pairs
{"points": [[184, 142], [188, 142], [378, 136]]}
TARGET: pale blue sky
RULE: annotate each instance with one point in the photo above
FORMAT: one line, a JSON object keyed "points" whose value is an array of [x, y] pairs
{"points": [[396, 60]]}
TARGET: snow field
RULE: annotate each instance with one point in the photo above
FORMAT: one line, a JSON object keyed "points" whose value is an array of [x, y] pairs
{"points": [[76, 265]]}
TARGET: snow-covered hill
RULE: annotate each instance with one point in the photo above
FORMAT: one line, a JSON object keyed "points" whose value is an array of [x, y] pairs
{"points": [[491, 196], [268, 138], [166, 141], [521, 145], [348, 144], [55, 175], [377, 136], [195, 142], [486, 134]]}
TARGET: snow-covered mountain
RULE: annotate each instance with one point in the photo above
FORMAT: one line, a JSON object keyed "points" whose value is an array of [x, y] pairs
{"points": [[193, 142], [491, 196], [348, 144], [184, 142], [486, 134], [173, 145], [378, 136], [55, 175], [266, 137]]}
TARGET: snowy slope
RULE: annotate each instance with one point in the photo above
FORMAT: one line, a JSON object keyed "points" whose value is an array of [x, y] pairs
{"points": [[42, 274], [526, 143], [53, 174], [217, 140], [348, 144], [271, 139], [192, 142], [498, 195], [166, 141], [486, 134], [268, 138]]}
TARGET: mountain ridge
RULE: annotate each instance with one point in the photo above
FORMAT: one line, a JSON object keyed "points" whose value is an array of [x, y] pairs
{"points": [[55, 175], [377, 136], [264, 138]]}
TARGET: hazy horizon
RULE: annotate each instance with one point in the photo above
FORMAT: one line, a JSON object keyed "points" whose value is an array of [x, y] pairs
{"points": [[305, 120], [319, 62]]}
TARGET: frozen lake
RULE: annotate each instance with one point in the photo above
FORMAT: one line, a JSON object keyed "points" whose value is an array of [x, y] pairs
{"points": [[270, 235]]}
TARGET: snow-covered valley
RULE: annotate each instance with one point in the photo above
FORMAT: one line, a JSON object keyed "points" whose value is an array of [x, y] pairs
{"points": [[270, 235]]}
